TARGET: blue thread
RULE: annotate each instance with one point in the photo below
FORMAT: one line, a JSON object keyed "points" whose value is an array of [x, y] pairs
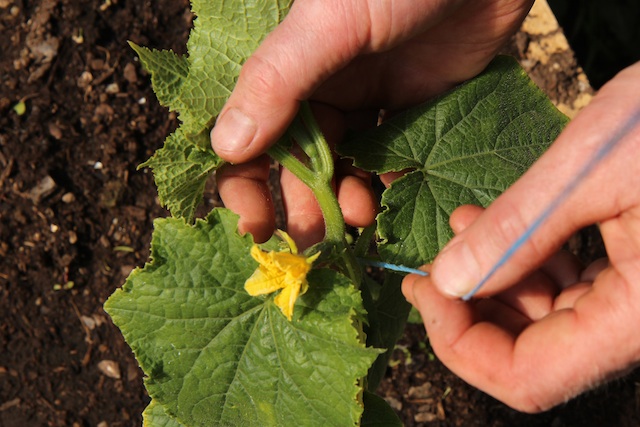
{"points": [[595, 159], [394, 267]]}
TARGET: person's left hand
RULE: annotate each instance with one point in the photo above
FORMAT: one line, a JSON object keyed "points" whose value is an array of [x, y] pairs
{"points": [[351, 59]]}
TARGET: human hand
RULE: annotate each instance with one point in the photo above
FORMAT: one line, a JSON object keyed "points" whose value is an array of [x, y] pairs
{"points": [[561, 329], [352, 58]]}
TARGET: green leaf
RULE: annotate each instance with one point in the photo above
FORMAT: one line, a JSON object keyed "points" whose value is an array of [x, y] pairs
{"points": [[168, 72], [180, 170], [465, 147], [387, 318], [216, 356], [378, 413], [154, 415], [197, 86]]}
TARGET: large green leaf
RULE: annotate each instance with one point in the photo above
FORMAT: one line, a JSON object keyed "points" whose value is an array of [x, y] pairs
{"points": [[216, 356], [465, 147], [225, 34]]}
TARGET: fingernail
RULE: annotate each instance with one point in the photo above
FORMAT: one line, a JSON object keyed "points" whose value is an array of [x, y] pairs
{"points": [[232, 133], [456, 271]]}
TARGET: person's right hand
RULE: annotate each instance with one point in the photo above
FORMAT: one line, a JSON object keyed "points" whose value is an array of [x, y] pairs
{"points": [[543, 329], [354, 57]]}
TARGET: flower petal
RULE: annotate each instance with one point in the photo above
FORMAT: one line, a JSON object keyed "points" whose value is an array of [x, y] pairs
{"points": [[286, 299], [289, 241], [263, 281]]}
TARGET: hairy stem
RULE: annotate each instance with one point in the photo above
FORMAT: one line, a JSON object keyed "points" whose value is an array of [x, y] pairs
{"points": [[318, 177]]}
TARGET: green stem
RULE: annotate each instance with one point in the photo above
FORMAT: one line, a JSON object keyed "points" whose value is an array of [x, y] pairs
{"points": [[318, 178], [288, 160], [324, 154], [361, 248]]}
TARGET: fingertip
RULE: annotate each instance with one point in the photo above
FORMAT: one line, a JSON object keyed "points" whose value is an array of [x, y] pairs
{"points": [[357, 201], [455, 270], [244, 190], [410, 286], [261, 228], [463, 216], [233, 135]]}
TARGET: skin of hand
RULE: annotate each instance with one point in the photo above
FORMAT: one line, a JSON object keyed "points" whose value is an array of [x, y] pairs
{"points": [[351, 59], [559, 330]]}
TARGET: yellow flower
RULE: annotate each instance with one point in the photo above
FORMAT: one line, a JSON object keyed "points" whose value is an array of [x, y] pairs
{"points": [[280, 270]]}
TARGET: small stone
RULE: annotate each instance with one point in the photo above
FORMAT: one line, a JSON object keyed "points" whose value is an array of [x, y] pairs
{"points": [[73, 237], [45, 187], [85, 79], [96, 64], [109, 368], [130, 73], [425, 417], [112, 88], [88, 322], [421, 392], [55, 131], [104, 110], [68, 198], [132, 372]]}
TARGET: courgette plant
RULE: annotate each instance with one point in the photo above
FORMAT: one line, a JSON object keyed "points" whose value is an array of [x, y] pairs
{"points": [[229, 333]]}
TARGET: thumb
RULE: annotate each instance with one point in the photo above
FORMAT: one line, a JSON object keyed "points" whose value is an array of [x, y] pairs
{"points": [[314, 41], [470, 257]]}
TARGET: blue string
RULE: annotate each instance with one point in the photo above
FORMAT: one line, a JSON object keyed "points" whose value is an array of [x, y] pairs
{"points": [[595, 159], [394, 267]]}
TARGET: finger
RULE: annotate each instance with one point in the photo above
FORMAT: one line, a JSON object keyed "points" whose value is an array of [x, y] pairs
{"points": [[462, 342], [244, 190], [389, 177], [471, 254], [493, 310], [357, 200], [305, 223], [537, 295], [463, 217], [563, 268], [549, 361], [596, 267], [570, 295], [533, 296]]}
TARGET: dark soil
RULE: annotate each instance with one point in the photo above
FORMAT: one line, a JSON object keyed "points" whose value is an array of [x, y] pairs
{"points": [[76, 217]]}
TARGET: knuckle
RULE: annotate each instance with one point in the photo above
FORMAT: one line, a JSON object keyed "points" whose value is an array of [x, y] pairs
{"points": [[262, 77], [509, 224]]}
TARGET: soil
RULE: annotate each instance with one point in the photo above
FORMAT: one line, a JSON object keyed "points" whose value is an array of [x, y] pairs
{"points": [[77, 115]]}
